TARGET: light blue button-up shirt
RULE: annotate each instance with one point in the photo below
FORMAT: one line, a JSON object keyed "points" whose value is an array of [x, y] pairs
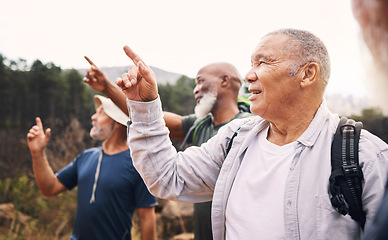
{"points": [[205, 173]]}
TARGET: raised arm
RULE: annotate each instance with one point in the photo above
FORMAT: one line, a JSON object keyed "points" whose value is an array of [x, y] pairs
{"points": [[97, 80], [37, 140], [185, 176]]}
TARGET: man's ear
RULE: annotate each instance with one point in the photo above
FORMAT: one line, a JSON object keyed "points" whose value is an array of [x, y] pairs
{"points": [[310, 74], [225, 79]]}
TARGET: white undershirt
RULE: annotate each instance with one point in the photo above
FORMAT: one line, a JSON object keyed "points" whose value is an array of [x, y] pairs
{"points": [[255, 206]]}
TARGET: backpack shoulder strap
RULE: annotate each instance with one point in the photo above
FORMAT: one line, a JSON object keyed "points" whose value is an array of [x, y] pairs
{"points": [[193, 129], [200, 122], [229, 145], [346, 175], [197, 123], [230, 142]]}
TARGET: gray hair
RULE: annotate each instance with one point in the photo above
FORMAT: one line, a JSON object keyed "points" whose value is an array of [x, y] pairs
{"points": [[305, 47]]}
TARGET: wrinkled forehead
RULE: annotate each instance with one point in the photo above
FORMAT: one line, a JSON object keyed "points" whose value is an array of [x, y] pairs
{"points": [[270, 46]]}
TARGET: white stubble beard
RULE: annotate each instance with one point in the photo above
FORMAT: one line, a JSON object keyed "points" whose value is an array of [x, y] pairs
{"points": [[205, 105], [101, 132]]}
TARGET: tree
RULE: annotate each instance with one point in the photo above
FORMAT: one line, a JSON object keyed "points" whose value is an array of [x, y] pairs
{"points": [[374, 121], [178, 98], [79, 98], [5, 85]]}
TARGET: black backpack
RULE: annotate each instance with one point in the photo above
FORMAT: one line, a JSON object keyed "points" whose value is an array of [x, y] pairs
{"points": [[346, 175]]}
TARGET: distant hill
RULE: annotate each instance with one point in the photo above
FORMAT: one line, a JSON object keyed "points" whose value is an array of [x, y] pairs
{"points": [[162, 76]]}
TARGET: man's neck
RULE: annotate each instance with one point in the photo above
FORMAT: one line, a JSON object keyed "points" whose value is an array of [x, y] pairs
{"points": [[224, 114], [115, 143], [290, 128]]}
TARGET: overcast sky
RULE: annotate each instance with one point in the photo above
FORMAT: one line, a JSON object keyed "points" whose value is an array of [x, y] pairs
{"points": [[177, 35]]}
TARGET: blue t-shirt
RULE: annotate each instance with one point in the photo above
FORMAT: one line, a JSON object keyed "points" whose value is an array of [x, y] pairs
{"points": [[120, 190]]}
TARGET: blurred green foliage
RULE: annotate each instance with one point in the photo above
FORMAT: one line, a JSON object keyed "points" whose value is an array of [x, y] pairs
{"points": [[374, 121], [65, 104], [42, 90], [178, 98], [48, 218]]}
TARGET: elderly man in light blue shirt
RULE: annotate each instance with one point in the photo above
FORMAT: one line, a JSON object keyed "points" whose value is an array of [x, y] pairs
{"points": [[273, 183]]}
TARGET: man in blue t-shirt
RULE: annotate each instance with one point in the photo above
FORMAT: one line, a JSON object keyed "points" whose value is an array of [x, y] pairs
{"points": [[109, 187]]}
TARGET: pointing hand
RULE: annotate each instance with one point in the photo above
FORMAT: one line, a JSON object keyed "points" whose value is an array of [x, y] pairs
{"points": [[139, 83], [96, 78], [37, 139]]}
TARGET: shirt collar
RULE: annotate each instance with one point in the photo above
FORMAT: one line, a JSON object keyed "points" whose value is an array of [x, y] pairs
{"points": [[310, 136]]}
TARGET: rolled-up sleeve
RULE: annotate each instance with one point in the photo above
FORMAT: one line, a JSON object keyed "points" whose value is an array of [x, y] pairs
{"points": [[186, 176]]}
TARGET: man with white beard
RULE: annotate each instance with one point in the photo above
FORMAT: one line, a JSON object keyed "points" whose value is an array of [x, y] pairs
{"points": [[205, 105], [109, 187], [216, 91]]}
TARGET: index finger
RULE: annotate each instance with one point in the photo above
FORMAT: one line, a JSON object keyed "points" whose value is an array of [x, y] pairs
{"points": [[39, 122], [90, 61], [132, 55]]}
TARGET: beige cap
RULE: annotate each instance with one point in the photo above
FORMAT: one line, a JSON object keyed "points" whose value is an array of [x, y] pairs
{"points": [[111, 109]]}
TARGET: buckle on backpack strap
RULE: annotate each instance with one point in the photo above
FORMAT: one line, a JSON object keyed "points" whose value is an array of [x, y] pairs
{"points": [[339, 203], [352, 170]]}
